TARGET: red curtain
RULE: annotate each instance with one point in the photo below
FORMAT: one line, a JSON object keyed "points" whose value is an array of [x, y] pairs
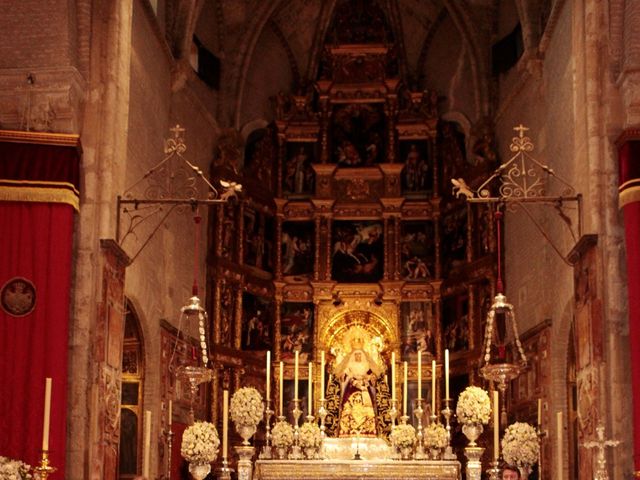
{"points": [[36, 241]]}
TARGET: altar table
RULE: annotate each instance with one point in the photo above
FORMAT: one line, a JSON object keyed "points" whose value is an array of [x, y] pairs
{"points": [[356, 469]]}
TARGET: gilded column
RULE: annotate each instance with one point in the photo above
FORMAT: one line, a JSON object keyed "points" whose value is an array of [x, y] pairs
{"points": [[390, 110], [436, 306], [238, 330], [396, 242], [470, 229], [387, 236], [278, 247], [240, 236], [217, 305], [282, 151], [327, 271], [434, 161], [324, 129], [436, 222], [277, 327], [316, 270]]}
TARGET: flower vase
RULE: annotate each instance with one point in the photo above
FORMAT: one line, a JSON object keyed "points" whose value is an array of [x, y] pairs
{"points": [[311, 453], [246, 432], [406, 453], [435, 453], [282, 453], [472, 431], [199, 470]]}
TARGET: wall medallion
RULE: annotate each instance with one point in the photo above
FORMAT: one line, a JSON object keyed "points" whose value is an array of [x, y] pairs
{"points": [[18, 297]]}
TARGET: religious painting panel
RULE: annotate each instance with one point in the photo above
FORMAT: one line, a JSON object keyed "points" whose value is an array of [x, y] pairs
{"points": [[482, 230], [358, 135], [257, 319], [229, 245], [454, 239], [298, 251], [289, 395], [417, 330], [418, 254], [417, 174], [227, 313], [455, 322], [358, 251], [296, 332], [298, 177], [258, 243], [452, 155], [259, 156]]}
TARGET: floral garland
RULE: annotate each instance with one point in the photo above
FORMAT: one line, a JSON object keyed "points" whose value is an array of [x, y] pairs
{"points": [[473, 406], [246, 406], [14, 469], [200, 443], [520, 444], [403, 435], [310, 435], [282, 434], [435, 436]]}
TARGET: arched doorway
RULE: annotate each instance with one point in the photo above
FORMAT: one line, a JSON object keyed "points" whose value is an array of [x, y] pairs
{"points": [[131, 407]]}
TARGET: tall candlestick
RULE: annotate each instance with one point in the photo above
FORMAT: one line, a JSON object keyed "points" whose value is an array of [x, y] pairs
{"points": [[225, 423], [322, 374], [539, 412], [147, 444], [170, 414], [496, 427], [404, 397], [47, 414], [446, 373], [309, 400], [419, 375], [281, 380], [393, 376], [268, 375], [559, 459], [295, 378], [433, 387]]}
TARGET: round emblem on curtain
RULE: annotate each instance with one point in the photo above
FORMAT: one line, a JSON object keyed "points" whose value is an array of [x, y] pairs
{"points": [[18, 297]]}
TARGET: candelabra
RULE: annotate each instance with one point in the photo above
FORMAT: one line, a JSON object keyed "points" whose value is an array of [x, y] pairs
{"points": [[168, 434], [296, 451], [447, 413], [418, 412], [266, 453], [322, 413], [393, 413], [494, 471], [601, 461], [542, 434], [44, 469], [224, 472]]}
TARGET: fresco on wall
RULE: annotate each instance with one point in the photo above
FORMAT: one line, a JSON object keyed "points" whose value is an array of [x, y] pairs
{"points": [[358, 251], [257, 319], [417, 175], [296, 330], [417, 329], [298, 177], [455, 322], [298, 252], [258, 243], [417, 250], [358, 133]]}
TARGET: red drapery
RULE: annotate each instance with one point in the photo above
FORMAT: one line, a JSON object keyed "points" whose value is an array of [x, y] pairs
{"points": [[38, 193], [629, 200]]}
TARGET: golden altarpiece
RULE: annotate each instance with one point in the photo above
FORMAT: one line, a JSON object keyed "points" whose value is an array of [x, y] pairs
{"points": [[349, 221]]}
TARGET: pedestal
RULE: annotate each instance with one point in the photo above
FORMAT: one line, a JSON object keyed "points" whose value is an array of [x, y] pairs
{"points": [[474, 467], [245, 465]]}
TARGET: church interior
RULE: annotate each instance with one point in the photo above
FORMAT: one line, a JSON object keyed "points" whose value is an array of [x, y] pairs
{"points": [[348, 222]]}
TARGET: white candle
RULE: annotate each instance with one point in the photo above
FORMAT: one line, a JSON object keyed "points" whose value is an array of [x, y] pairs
{"points": [[309, 402], [147, 444], [419, 375], [47, 414], [433, 387], [393, 376], [559, 459], [446, 373], [404, 397], [225, 423], [295, 378], [170, 414], [496, 427], [539, 412], [322, 375], [281, 379], [268, 375]]}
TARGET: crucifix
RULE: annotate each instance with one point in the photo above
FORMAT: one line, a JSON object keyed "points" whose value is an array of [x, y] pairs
{"points": [[600, 444]]}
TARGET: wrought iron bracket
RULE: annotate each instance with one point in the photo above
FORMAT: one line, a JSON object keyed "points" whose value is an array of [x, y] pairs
{"points": [[173, 184], [521, 181]]}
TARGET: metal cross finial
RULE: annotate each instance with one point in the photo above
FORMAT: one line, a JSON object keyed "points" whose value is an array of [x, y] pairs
{"points": [[600, 444], [177, 131], [521, 129]]}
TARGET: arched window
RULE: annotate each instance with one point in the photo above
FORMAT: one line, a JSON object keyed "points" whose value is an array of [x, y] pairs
{"points": [[131, 408]]}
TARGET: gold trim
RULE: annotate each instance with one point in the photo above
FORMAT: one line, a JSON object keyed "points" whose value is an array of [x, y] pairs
{"points": [[37, 183], [32, 194], [629, 183], [43, 138], [629, 195]]}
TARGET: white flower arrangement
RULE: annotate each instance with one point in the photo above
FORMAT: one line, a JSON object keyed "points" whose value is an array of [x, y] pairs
{"points": [[14, 469], [282, 434], [403, 435], [200, 443], [246, 407], [520, 444], [435, 436], [473, 406], [310, 435]]}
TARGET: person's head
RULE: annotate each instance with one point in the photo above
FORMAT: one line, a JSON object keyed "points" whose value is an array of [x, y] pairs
{"points": [[510, 472]]}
